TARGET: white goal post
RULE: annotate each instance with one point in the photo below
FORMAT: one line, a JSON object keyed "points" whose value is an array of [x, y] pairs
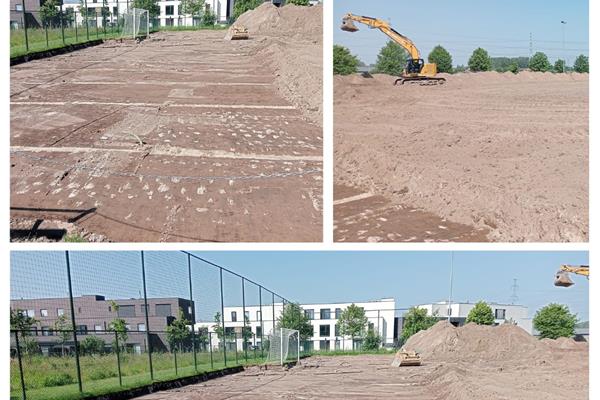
{"points": [[136, 23], [284, 346]]}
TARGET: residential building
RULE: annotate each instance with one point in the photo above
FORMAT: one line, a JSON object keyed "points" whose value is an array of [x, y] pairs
{"points": [[31, 14], [94, 314]]}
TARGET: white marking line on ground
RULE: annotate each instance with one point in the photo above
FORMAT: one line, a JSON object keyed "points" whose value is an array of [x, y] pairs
{"points": [[171, 83], [352, 198], [110, 103], [172, 151]]}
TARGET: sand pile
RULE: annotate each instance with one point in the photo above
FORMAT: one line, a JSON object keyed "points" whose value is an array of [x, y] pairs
{"points": [[474, 343]]}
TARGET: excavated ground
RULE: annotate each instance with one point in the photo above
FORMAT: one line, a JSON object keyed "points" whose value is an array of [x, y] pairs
{"points": [[182, 137], [503, 157]]}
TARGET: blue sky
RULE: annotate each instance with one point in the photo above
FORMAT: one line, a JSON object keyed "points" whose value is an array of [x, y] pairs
{"points": [[410, 277], [501, 27]]}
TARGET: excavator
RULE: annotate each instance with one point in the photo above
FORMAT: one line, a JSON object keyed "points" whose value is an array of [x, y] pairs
{"points": [[562, 277], [416, 70]]}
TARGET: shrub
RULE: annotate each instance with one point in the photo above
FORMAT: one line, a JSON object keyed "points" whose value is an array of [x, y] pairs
{"points": [[92, 345], [539, 62], [582, 64], [60, 379], [209, 18], [481, 314], [415, 320], [514, 68], [480, 61], [391, 59], [372, 341], [559, 66], [344, 63], [241, 6], [442, 58], [299, 2], [554, 321], [99, 374]]}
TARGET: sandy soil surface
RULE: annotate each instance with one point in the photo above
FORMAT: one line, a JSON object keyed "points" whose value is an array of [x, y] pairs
{"points": [[501, 154], [183, 137]]}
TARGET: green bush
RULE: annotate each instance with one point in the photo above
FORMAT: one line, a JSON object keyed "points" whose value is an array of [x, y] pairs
{"points": [[559, 66], [554, 321], [372, 341], [241, 6], [481, 314], [582, 64], [480, 61], [60, 379], [441, 58], [344, 63], [514, 68], [539, 62], [391, 59], [209, 18], [299, 2], [415, 320], [100, 374]]}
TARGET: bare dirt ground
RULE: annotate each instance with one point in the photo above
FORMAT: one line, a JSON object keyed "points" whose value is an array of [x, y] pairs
{"points": [[503, 156], [183, 137]]}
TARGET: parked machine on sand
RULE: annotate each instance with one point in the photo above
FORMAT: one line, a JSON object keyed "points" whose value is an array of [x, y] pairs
{"points": [[405, 358]]}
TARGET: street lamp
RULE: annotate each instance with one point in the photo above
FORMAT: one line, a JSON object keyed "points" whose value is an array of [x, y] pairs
{"points": [[563, 23]]}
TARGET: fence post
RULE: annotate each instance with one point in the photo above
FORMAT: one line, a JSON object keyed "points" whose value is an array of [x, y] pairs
{"points": [[223, 340], [254, 346], [193, 312], [96, 23], [46, 31], [87, 25], [235, 339], [118, 357], [262, 328], [281, 345], [273, 309], [147, 320], [75, 23], [244, 328], [24, 395], [62, 25], [210, 350], [175, 357], [73, 322], [25, 25]]}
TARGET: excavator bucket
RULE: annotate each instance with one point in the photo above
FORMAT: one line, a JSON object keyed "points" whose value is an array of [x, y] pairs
{"points": [[348, 25], [405, 358], [563, 279]]}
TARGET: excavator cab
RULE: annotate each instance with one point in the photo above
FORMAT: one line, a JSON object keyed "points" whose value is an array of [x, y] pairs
{"points": [[414, 66]]}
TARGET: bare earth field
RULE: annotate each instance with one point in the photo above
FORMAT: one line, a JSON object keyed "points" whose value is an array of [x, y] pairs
{"points": [[487, 156], [182, 137]]}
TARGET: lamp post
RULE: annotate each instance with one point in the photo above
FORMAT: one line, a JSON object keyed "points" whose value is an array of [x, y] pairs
{"points": [[563, 24], [451, 281]]}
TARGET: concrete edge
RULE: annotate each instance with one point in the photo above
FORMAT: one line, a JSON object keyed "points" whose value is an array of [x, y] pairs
{"points": [[53, 52]]}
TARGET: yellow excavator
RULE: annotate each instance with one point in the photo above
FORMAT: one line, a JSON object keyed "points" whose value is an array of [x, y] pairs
{"points": [[562, 277], [416, 70]]}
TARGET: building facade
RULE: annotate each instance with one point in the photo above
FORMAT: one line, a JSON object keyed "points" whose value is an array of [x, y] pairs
{"points": [[323, 317], [93, 315]]}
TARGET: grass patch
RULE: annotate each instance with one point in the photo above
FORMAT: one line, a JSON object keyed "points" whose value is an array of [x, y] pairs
{"points": [[74, 238], [350, 352]]}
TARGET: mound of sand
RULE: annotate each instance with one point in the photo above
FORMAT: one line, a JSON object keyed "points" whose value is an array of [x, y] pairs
{"points": [[474, 343]]}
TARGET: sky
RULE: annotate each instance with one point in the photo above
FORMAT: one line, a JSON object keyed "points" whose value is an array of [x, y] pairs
{"points": [[501, 27], [311, 277]]}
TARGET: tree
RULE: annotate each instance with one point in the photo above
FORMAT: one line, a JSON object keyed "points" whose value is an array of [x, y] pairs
{"points": [[481, 314], [582, 64], [246, 330], [194, 8], [241, 6], [353, 322], [344, 63], [299, 2], [150, 5], [480, 60], [209, 18], [82, 9], [178, 332], [415, 320], [539, 62], [293, 317], [218, 327], [92, 345], [441, 58], [559, 66], [554, 321], [64, 331], [391, 59], [372, 341], [119, 326], [19, 321], [49, 10], [514, 68]]}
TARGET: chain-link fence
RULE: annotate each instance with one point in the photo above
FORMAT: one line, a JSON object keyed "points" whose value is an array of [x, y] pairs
{"points": [[98, 322]]}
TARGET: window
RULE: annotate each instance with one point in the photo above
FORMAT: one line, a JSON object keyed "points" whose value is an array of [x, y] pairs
{"points": [[258, 316], [338, 313], [229, 331], [43, 313], [163, 310], [30, 313], [337, 329], [126, 311], [115, 10], [325, 313], [143, 308], [60, 312], [324, 330], [258, 331], [82, 329], [500, 313], [141, 327], [170, 10], [46, 331], [310, 314], [233, 316], [19, 7], [203, 331], [324, 345], [247, 315], [98, 328], [127, 327]]}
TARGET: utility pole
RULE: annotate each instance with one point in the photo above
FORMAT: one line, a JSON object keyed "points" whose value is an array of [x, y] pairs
{"points": [[451, 279], [514, 297], [563, 24], [530, 45]]}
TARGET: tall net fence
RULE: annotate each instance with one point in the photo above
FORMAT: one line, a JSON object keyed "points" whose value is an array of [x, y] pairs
{"points": [[136, 23], [96, 322]]}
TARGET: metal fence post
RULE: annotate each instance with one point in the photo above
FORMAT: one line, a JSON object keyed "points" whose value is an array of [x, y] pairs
{"points": [[73, 322], [254, 346], [210, 350], [175, 357], [87, 25], [147, 320], [62, 25], [262, 328], [75, 23], [25, 25], [118, 357], [96, 23], [273, 309], [244, 328], [223, 340], [193, 312], [23, 394], [235, 339], [46, 31]]}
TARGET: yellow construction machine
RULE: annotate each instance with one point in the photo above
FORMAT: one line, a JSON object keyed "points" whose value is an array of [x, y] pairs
{"points": [[405, 358], [416, 70], [562, 277]]}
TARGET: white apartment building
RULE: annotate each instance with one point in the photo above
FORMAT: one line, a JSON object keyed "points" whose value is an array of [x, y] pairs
{"points": [[323, 317], [459, 311]]}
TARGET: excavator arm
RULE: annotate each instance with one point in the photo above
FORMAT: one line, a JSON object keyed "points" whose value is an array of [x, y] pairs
{"points": [[562, 276], [374, 23]]}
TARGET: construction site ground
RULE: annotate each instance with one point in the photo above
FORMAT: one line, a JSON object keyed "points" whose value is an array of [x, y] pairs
{"points": [[484, 157], [372, 377], [182, 137]]}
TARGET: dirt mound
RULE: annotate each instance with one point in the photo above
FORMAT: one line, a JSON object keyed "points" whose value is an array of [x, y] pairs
{"points": [[287, 21], [474, 342], [564, 343]]}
